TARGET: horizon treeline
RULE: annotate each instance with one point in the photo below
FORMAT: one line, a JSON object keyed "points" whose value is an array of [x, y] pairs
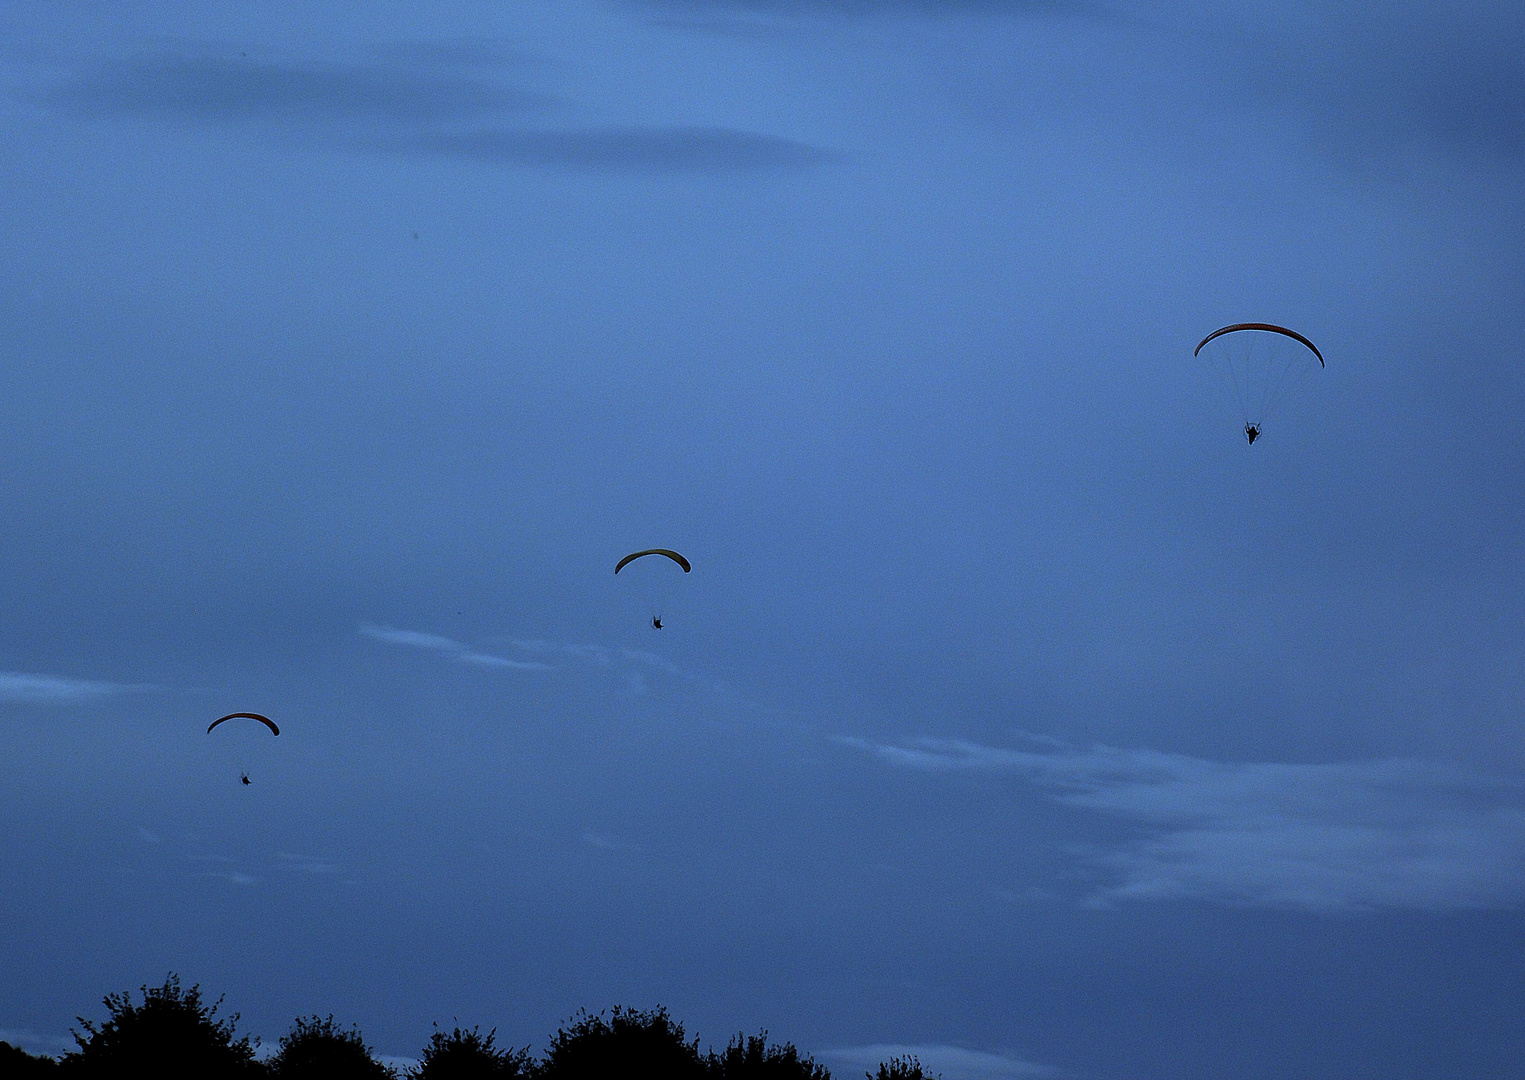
{"points": [[174, 1032]]}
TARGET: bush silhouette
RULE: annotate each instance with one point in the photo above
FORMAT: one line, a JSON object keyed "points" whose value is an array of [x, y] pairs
{"points": [[469, 1055], [17, 1064], [171, 1033], [630, 1045], [749, 1057], [318, 1049], [906, 1068]]}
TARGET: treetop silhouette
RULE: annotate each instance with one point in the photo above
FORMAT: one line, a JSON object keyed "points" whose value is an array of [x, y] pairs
{"points": [[316, 1048], [470, 1055], [171, 1032]]}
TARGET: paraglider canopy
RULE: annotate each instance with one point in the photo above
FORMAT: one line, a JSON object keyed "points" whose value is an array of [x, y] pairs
{"points": [[654, 580], [1261, 362], [1269, 328], [673, 555], [269, 723]]}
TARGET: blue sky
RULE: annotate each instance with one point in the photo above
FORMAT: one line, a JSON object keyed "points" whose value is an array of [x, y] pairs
{"points": [[1016, 713]]}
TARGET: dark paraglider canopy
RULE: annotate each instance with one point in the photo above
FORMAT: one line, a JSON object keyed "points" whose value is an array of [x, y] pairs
{"points": [[1269, 328], [269, 723], [654, 580], [673, 555], [1262, 364]]}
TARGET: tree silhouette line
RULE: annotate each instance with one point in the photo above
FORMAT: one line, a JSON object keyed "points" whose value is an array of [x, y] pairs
{"points": [[173, 1033]]}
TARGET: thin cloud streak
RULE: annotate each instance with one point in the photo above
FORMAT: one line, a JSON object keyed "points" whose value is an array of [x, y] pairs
{"points": [[305, 863], [412, 638], [636, 670], [600, 656], [57, 690], [885, 7], [412, 108], [454, 649], [1348, 836], [488, 660], [632, 148], [596, 655], [223, 89], [232, 876]]}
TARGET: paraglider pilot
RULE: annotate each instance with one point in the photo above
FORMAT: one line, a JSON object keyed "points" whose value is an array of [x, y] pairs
{"points": [[656, 623], [1252, 432], [244, 777]]}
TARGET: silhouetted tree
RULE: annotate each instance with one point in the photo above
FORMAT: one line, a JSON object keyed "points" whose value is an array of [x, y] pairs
{"points": [[171, 1033], [630, 1045], [749, 1057], [906, 1068], [470, 1055], [318, 1049], [17, 1064]]}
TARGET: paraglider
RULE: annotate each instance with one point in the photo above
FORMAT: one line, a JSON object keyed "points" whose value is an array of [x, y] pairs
{"points": [[1268, 328], [1261, 361], [656, 578], [243, 775], [634, 555], [269, 723]]}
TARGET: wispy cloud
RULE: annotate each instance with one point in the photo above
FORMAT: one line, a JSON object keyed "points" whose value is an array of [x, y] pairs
{"points": [[226, 88], [413, 639], [884, 7], [55, 689], [1404, 834], [660, 663], [488, 660], [305, 863], [440, 100], [951, 1062], [222, 869], [594, 654], [481, 53], [630, 664], [673, 148], [234, 876], [638, 671], [599, 655]]}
